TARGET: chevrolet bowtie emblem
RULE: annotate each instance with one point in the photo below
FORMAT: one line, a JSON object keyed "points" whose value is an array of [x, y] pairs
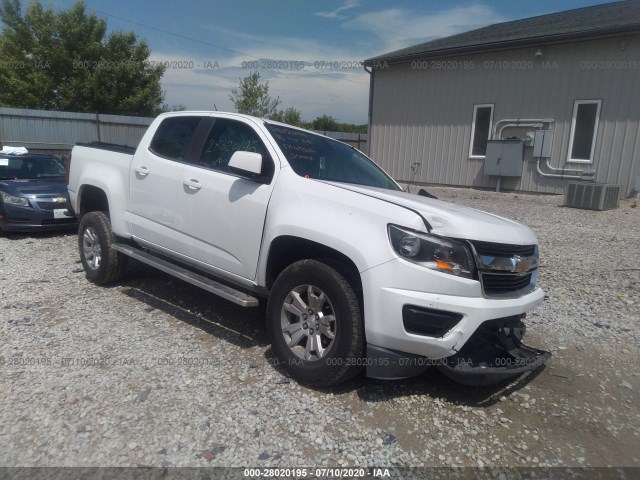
{"points": [[59, 200], [519, 264]]}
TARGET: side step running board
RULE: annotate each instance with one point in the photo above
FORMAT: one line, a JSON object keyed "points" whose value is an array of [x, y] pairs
{"points": [[224, 291]]}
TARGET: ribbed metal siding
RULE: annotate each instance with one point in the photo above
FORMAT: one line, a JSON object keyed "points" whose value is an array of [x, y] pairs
{"points": [[424, 115], [57, 132], [123, 130]]}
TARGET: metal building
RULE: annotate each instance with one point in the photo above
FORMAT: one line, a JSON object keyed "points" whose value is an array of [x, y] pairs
{"points": [[523, 105]]}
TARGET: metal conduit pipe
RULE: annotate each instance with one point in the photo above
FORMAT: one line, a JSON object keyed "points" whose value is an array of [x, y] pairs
{"points": [[556, 175], [520, 121], [554, 169], [539, 123], [507, 125]]}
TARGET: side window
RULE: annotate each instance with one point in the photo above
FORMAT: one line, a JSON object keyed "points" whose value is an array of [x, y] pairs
{"points": [[173, 137], [226, 138], [584, 128], [480, 130]]}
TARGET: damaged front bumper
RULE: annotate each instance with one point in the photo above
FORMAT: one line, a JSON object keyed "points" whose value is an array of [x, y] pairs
{"points": [[493, 354]]}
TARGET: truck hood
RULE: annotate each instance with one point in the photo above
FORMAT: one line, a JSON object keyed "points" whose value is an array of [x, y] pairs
{"points": [[27, 188], [452, 220]]}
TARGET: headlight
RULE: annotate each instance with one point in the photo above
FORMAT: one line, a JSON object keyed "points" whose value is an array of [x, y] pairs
{"points": [[437, 253], [16, 201]]}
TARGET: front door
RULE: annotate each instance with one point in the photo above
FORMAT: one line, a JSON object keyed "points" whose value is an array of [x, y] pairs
{"points": [[223, 214]]}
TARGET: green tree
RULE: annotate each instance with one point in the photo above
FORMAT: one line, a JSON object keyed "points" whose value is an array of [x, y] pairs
{"points": [[252, 97], [65, 61], [180, 107], [325, 123], [352, 128], [291, 115]]}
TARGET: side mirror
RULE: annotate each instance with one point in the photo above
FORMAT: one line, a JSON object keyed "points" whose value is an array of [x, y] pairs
{"points": [[246, 164]]}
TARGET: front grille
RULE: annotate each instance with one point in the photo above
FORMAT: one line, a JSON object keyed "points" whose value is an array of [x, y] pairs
{"points": [[501, 283], [499, 268], [51, 205], [503, 250]]}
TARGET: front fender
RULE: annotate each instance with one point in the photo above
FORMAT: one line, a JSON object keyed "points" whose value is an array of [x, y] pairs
{"points": [[348, 222]]}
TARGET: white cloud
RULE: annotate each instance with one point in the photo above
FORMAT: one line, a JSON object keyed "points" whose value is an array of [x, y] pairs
{"points": [[397, 28], [348, 5], [281, 47], [342, 93]]}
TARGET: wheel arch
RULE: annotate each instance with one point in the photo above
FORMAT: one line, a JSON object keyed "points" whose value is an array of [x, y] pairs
{"points": [[92, 199], [287, 249]]}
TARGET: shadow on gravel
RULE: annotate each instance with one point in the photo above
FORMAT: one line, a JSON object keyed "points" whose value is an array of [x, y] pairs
{"points": [[243, 327], [434, 384], [431, 383], [16, 236]]}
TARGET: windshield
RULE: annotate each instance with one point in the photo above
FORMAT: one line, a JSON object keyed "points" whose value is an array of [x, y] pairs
{"points": [[314, 156], [31, 168]]}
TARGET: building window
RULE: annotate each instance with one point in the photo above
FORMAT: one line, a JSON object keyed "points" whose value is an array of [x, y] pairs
{"points": [[584, 128], [480, 130]]}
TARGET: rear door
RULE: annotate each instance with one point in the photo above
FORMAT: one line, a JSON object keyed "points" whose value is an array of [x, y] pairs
{"points": [[156, 180], [223, 214]]}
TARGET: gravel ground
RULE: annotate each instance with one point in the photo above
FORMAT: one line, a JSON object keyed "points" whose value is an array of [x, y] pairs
{"points": [[155, 372]]}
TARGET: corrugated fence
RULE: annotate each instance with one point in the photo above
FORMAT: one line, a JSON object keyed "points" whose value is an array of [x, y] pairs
{"points": [[56, 133]]}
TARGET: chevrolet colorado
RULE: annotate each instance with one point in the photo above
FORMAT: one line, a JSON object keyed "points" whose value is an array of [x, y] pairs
{"points": [[357, 274]]}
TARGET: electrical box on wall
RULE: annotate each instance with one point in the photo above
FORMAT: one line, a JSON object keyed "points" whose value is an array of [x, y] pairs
{"points": [[504, 158], [542, 143]]}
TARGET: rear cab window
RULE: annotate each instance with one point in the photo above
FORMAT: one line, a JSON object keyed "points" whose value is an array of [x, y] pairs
{"points": [[174, 137]]}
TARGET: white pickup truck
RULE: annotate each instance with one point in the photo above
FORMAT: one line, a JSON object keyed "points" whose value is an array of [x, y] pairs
{"points": [[357, 274]]}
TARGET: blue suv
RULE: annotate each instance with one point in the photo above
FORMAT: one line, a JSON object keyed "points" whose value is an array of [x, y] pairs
{"points": [[33, 193]]}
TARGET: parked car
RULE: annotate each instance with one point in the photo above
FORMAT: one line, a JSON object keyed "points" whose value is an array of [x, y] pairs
{"points": [[33, 193], [358, 274]]}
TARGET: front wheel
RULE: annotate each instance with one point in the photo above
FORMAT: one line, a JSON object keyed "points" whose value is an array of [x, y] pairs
{"points": [[315, 324], [101, 263]]}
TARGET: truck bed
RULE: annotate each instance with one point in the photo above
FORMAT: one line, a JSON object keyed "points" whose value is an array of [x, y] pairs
{"points": [[112, 147], [107, 165]]}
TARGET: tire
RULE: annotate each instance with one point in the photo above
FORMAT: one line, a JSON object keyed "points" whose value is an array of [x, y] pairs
{"points": [[334, 352], [102, 264]]}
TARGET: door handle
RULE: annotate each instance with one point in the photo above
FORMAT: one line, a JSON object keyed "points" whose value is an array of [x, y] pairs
{"points": [[192, 184], [142, 171]]}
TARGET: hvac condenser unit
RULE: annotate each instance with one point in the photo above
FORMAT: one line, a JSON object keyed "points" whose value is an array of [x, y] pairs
{"points": [[592, 196]]}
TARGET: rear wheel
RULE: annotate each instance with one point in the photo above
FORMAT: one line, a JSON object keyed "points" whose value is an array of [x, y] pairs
{"points": [[315, 324], [101, 263]]}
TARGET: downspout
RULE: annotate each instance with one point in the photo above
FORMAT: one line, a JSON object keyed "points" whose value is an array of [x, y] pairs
{"points": [[370, 116]]}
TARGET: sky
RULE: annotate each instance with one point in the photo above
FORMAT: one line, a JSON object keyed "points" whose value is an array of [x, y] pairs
{"points": [[295, 44]]}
